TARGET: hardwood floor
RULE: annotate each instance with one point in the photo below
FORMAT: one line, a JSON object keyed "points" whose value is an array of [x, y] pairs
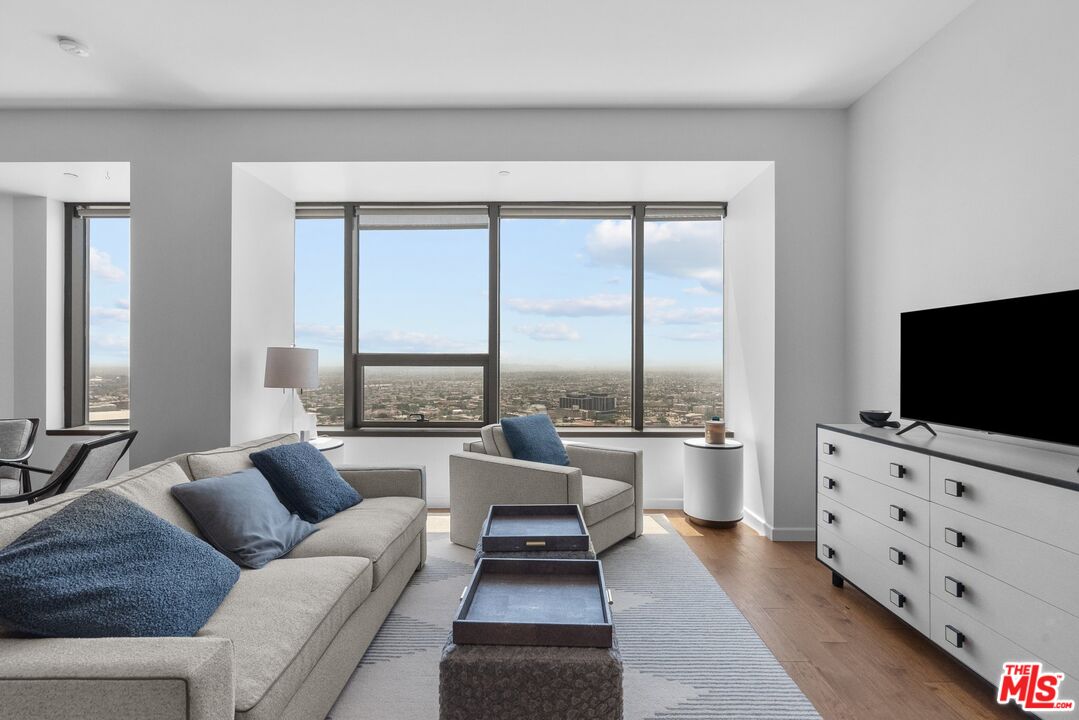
{"points": [[849, 655]]}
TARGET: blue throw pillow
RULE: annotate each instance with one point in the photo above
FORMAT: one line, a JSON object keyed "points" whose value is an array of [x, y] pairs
{"points": [[534, 438], [106, 567], [305, 481], [240, 515]]}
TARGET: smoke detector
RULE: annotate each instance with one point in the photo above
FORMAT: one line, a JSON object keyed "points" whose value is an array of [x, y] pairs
{"points": [[72, 46]]}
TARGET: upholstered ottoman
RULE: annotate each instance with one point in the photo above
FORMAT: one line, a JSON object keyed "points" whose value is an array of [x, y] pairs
{"points": [[522, 682]]}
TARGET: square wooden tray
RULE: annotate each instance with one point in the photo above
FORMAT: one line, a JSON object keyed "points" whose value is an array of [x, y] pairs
{"points": [[520, 528], [561, 603]]}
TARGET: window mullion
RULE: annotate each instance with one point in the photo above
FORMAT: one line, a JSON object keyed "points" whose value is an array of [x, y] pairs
{"points": [[353, 386], [492, 386], [637, 387]]}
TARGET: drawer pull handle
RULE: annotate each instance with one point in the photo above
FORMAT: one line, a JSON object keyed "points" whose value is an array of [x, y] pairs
{"points": [[828, 448], [897, 513], [954, 537], [463, 593], [953, 587], [898, 599], [897, 556], [953, 487], [827, 550], [953, 636], [829, 483], [827, 517], [535, 543], [896, 470]]}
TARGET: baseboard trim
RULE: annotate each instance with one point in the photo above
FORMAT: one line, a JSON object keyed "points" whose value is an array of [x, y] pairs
{"points": [[783, 534]]}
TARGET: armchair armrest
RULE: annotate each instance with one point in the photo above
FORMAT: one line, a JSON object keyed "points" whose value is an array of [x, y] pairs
{"points": [[615, 464], [402, 481], [117, 678], [478, 481]]}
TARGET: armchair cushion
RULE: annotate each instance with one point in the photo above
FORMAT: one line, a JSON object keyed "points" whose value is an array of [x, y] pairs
{"points": [[603, 498], [534, 438]]}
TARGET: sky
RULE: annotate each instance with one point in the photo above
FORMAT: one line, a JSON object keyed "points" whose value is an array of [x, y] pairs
{"points": [[565, 288], [109, 275]]}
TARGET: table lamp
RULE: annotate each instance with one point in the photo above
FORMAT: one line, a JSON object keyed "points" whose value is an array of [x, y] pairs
{"points": [[292, 368]]}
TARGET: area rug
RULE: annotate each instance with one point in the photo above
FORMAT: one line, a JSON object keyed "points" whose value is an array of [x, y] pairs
{"points": [[689, 654]]}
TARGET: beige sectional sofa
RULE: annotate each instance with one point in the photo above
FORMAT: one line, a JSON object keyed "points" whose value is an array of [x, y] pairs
{"points": [[282, 644]]}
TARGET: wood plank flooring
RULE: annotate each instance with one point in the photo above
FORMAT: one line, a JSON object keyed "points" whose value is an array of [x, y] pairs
{"points": [[850, 656]]}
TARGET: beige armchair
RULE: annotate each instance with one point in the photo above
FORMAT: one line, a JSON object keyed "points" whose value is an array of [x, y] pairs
{"points": [[606, 482]]}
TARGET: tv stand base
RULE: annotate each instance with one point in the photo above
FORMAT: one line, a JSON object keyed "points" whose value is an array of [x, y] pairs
{"points": [[917, 424]]}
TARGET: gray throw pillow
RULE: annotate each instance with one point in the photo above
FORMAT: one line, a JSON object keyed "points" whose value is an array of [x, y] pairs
{"points": [[240, 515]]}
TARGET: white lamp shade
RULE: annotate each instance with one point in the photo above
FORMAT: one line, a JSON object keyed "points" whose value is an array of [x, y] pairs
{"points": [[291, 367]]}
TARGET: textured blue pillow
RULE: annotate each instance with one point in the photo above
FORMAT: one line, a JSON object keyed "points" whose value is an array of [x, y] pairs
{"points": [[305, 481], [240, 515], [106, 567], [534, 438]]}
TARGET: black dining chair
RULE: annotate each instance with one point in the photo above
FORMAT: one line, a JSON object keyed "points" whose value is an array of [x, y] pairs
{"points": [[16, 446], [83, 464]]}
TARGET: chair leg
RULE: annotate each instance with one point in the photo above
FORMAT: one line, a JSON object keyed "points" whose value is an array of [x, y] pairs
{"points": [[24, 476]]}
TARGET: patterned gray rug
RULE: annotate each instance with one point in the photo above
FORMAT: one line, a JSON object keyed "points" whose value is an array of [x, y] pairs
{"points": [[688, 652]]}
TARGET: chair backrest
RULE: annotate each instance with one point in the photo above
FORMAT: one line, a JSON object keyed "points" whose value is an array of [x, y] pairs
{"points": [[494, 441], [17, 438], [16, 442], [86, 463]]}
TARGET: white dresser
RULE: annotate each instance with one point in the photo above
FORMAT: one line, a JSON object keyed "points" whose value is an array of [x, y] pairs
{"points": [[974, 543]]}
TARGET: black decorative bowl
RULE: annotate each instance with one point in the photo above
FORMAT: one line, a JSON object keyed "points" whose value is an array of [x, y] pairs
{"points": [[875, 415]]}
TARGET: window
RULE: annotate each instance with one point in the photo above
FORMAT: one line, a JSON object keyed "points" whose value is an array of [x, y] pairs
{"points": [[604, 315], [98, 312], [566, 312], [683, 316], [319, 308]]}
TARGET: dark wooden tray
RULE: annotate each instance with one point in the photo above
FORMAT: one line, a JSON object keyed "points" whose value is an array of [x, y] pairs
{"points": [[535, 602], [518, 528]]}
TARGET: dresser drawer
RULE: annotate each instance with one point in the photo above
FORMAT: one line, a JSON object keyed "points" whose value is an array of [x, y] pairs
{"points": [[892, 508], [904, 470], [982, 650], [1040, 628], [1041, 511], [905, 596], [1042, 570]]}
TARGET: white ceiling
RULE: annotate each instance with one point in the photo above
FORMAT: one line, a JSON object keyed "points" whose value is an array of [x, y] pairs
{"points": [[96, 181], [527, 181], [478, 53]]}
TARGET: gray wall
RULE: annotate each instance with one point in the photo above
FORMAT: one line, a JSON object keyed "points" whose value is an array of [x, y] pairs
{"points": [[964, 176], [7, 306], [181, 210]]}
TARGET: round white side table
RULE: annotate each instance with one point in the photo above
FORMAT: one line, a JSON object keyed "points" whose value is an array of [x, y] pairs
{"points": [[712, 482]]}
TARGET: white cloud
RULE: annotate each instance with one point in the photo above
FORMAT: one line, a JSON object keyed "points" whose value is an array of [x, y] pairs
{"points": [[593, 305], [321, 333], [119, 314], [698, 336], [549, 332], [101, 267], [124, 303], [683, 249], [109, 342], [682, 316], [404, 341]]}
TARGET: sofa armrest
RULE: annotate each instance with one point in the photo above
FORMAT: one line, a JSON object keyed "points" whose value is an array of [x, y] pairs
{"points": [[400, 481], [478, 481], [186, 678], [615, 464]]}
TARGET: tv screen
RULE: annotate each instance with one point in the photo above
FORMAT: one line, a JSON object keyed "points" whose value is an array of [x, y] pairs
{"points": [[1006, 366]]}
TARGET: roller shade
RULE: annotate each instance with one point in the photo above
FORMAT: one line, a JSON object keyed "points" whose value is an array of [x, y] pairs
{"points": [[426, 217], [102, 211], [595, 212], [716, 211]]}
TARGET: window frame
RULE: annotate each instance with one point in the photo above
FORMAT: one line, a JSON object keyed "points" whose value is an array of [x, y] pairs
{"points": [[77, 311], [354, 361]]}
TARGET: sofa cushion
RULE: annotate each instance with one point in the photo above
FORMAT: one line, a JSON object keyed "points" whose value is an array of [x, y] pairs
{"points": [[150, 486], [305, 481], [281, 618], [16, 520], [603, 498], [534, 438], [240, 515], [105, 567], [379, 529], [222, 461]]}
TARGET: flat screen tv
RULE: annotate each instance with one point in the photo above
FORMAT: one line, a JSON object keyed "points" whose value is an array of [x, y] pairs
{"points": [[1005, 366]]}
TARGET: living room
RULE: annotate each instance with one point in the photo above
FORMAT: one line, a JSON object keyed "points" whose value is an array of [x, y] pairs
{"points": [[624, 236]]}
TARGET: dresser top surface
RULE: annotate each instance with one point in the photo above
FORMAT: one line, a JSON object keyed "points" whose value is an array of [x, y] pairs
{"points": [[1054, 468]]}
